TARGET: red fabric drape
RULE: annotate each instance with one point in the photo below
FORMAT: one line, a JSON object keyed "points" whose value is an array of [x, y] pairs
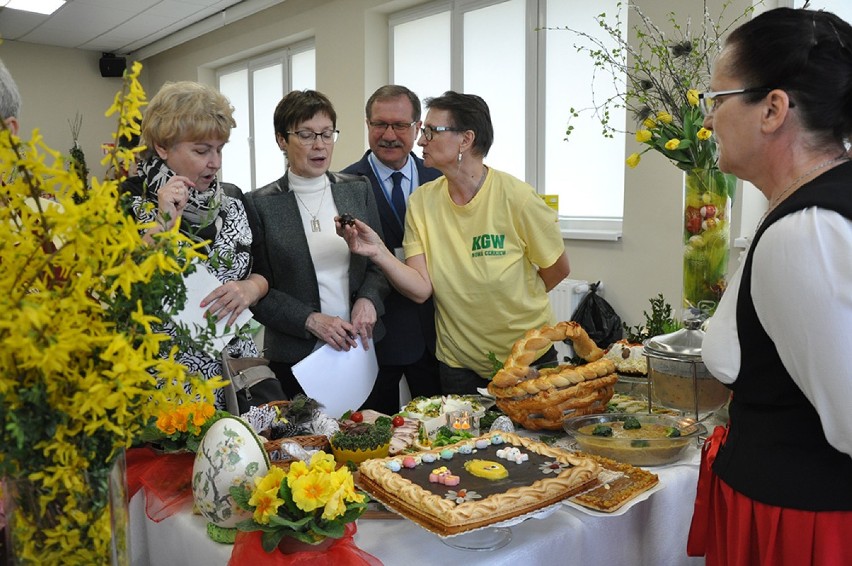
{"points": [[167, 479], [343, 552], [696, 543]]}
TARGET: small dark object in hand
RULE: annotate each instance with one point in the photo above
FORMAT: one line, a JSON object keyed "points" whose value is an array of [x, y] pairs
{"points": [[347, 219]]}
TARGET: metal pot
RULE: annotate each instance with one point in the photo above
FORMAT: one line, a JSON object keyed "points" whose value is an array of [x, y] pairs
{"points": [[679, 379]]}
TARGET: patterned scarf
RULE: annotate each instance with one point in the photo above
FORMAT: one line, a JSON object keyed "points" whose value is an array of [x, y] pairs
{"points": [[201, 219]]}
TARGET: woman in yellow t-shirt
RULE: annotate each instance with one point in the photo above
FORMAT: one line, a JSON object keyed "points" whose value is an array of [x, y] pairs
{"points": [[479, 240]]}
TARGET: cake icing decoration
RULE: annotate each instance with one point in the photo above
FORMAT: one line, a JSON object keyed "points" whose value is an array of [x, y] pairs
{"points": [[513, 454], [462, 495], [486, 469]]}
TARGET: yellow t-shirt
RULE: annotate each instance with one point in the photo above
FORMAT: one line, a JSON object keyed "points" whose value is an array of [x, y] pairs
{"points": [[482, 260]]}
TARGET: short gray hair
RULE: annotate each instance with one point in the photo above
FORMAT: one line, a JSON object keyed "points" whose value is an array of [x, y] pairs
{"points": [[10, 98]]}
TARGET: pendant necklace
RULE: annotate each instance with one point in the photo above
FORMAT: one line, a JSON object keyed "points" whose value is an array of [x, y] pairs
{"points": [[315, 224], [479, 184], [795, 184]]}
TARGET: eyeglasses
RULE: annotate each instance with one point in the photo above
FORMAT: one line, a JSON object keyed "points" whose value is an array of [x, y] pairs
{"points": [[707, 100], [308, 137], [398, 127], [429, 131]]}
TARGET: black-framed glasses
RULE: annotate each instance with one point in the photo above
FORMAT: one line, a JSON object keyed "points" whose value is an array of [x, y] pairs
{"points": [[429, 131], [707, 100], [308, 137], [398, 127]]}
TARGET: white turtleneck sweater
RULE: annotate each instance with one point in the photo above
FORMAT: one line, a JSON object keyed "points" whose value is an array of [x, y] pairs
{"points": [[329, 252]]}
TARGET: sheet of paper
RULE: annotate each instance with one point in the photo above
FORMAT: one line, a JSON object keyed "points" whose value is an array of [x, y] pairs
{"points": [[198, 285], [339, 380]]}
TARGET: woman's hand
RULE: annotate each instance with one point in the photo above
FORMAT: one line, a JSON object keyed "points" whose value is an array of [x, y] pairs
{"points": [[364, 318], [362, 239], [172, 198], [231, 299], [332, 330]]}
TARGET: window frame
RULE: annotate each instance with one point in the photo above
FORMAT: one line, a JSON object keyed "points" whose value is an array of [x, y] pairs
{"points": [[282, 56], [572, 227]]}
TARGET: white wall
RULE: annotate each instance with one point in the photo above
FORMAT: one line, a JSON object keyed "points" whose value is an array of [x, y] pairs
{"points": [[351, 43], [55, 84]]}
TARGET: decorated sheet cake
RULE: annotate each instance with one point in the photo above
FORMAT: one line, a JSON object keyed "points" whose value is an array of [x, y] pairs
{"points": [[478, 482]]}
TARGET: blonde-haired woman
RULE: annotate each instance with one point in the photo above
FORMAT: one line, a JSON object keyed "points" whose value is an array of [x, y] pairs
{"points": [[184, 129]]}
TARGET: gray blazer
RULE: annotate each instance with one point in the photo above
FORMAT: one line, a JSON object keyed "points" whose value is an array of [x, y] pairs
{"points": [[281, 254]]}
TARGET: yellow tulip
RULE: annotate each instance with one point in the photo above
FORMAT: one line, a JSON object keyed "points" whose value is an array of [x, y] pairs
{"points": [[664, 117], [649, 122], [692, 97], [672, 144], [633, 160], [643, 136], [704, 134]]}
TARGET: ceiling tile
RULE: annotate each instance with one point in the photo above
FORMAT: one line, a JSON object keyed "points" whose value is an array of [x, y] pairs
{"points": [[110, 25]]}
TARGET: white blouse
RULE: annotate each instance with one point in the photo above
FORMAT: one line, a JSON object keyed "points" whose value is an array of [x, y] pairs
{"points": [[802, 292]]}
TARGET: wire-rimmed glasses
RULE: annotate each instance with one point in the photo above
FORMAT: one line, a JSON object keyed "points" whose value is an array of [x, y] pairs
{"points": [[308, 137]]}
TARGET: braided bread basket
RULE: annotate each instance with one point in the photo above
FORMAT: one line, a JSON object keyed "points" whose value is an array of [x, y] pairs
{"points": [[541, 398]]}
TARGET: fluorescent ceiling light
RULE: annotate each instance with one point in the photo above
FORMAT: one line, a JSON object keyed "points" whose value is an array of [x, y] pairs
{"points": [[37, 6]]}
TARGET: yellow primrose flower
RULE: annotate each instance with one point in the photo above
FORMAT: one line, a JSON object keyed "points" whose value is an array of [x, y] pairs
{"points": [[311, 491], [704, 134], [672, 144], [643, 136], [692, 97], [297, 470], [323, 462], [664, 117], [266, 504], [271, 481], [633, 160], [336, 506], [649, 122]]}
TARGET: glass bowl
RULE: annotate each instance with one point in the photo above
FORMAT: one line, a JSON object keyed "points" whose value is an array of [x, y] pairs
{"points": [[645, 446]]}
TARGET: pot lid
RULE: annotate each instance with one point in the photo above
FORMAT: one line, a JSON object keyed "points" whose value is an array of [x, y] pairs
{"points": [[684, 344]]}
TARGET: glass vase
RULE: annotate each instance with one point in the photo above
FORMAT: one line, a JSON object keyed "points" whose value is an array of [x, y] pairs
{"points": [[82, 521], [707, 196]]}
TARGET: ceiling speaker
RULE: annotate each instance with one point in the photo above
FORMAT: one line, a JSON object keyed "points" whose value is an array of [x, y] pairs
{"points": [[112, 66]]}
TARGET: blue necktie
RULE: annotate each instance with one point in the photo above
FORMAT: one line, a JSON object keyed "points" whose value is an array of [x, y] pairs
{"points": [[397, 198]]}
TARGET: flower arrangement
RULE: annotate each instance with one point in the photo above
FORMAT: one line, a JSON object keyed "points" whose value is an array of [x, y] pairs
{"points": [[657, 79], [180, 426], [82, 368], [308, 502]]}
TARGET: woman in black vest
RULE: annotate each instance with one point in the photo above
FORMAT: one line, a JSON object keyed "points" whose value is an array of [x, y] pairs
{"points": [[776, 483]]}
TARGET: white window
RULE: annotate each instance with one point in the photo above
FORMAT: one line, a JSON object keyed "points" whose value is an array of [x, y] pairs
{"points": [[251, 158], [530, 79], [841, 8]]}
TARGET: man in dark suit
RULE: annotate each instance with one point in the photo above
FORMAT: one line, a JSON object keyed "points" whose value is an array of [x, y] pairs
{"points": [[408, 348]]}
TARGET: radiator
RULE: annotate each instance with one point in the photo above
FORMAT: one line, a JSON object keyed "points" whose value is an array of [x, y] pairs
{"points": [[565, 298]]}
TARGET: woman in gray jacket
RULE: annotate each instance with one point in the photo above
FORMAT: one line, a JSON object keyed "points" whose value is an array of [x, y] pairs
{"points": [[319, 293]]}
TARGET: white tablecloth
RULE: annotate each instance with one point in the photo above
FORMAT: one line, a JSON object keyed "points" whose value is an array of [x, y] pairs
{"points": [[651, 533]]}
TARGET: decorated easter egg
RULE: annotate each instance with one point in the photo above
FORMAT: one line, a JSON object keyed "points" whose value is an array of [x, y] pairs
{"points": [[230, 454]]}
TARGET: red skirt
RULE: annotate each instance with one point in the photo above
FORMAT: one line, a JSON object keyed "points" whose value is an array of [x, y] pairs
{"points": [[730, 529]]}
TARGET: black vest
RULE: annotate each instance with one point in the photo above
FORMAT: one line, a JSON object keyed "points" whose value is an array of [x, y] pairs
{"points": [[776, 451]]}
